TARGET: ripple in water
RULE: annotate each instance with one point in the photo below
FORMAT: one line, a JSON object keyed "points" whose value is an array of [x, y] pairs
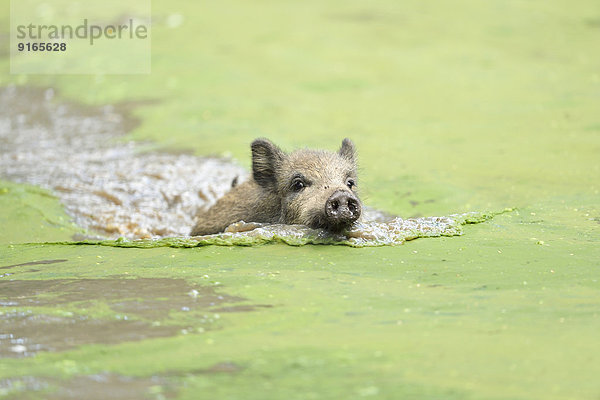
{"points": [[149, 199]]}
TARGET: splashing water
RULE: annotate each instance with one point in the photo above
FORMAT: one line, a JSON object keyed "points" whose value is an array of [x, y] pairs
{"points": [[107, 186], [149, 199]]}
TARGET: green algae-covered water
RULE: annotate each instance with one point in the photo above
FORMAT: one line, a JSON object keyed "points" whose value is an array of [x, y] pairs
{"points": [[456, 107]]}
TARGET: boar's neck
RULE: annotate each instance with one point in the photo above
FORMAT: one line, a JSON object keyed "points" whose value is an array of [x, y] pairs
{"points": [[247, 202], [257, 204]]}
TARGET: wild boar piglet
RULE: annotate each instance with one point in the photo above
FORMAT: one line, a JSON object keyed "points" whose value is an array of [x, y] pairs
{"points": [[316, 188]]}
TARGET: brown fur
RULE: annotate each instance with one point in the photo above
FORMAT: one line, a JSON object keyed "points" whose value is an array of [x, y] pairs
{"points": [[272, 195]]}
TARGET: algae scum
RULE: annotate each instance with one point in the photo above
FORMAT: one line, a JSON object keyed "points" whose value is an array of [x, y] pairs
{"points": [[124, 196], [120, 195], [454, 106], [115, 189]]}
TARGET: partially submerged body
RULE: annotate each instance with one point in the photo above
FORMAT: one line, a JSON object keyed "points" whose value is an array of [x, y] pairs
{"points": [[315, 188]]}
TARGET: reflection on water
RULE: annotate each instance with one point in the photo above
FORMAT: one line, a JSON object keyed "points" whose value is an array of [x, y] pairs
{"points": [[117, 190]]}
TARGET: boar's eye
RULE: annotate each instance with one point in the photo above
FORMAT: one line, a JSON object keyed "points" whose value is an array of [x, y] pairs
{"points": [[297, 184], [350, 183]]}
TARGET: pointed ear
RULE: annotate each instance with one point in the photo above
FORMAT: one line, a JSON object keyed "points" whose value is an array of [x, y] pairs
{"points": [[348, 151], [266, 159]]}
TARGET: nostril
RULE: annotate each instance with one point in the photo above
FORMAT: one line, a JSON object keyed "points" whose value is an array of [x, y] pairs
{"points": [[352, 206], [335, 205]]}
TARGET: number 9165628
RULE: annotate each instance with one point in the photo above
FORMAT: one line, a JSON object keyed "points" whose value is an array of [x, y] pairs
{"points": [[42, 46]]}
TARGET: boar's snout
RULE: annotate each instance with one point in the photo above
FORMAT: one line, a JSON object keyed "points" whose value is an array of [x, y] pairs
{"points": [[342, 209]]}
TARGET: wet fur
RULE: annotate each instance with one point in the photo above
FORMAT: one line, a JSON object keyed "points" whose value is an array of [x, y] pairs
{"points": [[269, 196]]}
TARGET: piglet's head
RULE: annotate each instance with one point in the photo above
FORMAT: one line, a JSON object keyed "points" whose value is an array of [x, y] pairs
{"points": [[315, 187]]}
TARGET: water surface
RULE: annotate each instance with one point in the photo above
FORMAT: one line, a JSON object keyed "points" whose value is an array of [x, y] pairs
{"points": [[454, 107]]}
